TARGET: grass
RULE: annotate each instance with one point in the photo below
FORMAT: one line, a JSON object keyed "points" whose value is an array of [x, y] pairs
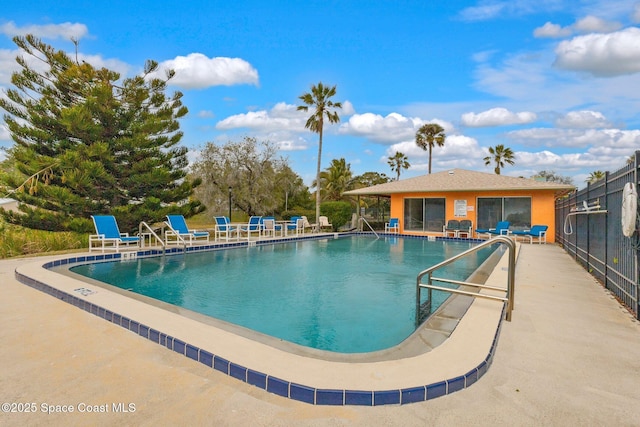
{"points": [[18, 241]]}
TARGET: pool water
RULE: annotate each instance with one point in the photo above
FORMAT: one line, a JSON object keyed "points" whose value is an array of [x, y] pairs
{"points": [[348, 295]]}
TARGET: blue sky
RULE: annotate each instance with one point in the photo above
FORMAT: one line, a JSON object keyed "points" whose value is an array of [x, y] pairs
{"points": [[556, 81]]}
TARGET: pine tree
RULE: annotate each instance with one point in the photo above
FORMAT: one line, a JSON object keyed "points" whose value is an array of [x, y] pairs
{"points": [[86, 143]]}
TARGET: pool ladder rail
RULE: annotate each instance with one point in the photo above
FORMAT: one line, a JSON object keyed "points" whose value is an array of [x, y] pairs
{"points": [[508, 298], [145, 230]]}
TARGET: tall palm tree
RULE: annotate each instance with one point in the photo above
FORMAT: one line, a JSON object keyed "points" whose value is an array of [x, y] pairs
{"points": [[500, 155], [595, 176], [320, 100], [429, 135], [398, 162]]}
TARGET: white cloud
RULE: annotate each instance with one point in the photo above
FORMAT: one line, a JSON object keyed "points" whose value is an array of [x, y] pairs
{"points": [[602, 55], [281, 117], [624, 141], [635, 16], [347, 109], [8, 65], [459, 151], [489, 9], [497, 117], [588, 24], [593, 24], [197, 71], [583, 120], [66, 30], [4, 133], [550, 30], [206, 114], [112, 64], [391, 128]]}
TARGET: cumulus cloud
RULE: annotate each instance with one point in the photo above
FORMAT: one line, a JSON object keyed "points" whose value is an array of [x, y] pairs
{"points": [[99, 62], [614, 139], [593, 24], [7, 65], [458, 151], [497, 117], [281, 117], [588, 24], [4, 133], [347, 109], [66, 30], [391, 128], [602, 55], [583, 120], [550, 30], [635, 16], [197, 71]]}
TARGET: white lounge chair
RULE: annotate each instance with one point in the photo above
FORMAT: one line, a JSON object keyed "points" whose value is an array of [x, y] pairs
{"points": [[224, 228], [323, 222], [179, 231]]}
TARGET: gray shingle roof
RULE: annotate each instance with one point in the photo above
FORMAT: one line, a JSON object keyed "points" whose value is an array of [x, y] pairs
{"points": [[459, 180]]}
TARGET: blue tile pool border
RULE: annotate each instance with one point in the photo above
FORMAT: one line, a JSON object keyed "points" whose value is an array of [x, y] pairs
{"points": [[269, 383]]}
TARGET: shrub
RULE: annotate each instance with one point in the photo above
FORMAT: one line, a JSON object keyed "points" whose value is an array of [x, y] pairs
{"points": [[339, 213]]}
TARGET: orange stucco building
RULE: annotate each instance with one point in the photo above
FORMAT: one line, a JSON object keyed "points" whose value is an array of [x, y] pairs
{"points": [[426, 203]]}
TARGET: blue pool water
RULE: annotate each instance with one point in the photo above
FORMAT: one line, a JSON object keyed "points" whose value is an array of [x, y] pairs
{"points": [[347, 295]]}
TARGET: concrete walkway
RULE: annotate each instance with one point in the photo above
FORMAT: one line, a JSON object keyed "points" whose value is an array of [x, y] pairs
{"points": [[571, 356]]}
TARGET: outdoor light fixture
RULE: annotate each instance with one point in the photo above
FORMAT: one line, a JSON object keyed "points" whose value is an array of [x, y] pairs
{"points": [[229, 203]]}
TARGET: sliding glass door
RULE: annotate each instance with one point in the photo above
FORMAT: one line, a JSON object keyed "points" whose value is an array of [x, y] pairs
{"points": [[424, 214]]}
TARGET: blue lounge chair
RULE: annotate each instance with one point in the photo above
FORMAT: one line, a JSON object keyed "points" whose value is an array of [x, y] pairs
{"points": [[502, 229], [108, 236], [538, 232], [452, 227], [393, 226], [296, 225], [179, 231], [224, 228], [254, 226]]}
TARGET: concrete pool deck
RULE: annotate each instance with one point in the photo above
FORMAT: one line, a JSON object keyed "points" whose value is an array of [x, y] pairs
{"points": [[570, 355]]}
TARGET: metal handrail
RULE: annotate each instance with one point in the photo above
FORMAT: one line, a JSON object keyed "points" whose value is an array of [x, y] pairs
{"points": [[179, 238], [509, 299], [153, 233], [366, 222]]}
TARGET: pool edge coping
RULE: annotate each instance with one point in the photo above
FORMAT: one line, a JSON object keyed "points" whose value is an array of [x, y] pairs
{"points": [[273, 384]]}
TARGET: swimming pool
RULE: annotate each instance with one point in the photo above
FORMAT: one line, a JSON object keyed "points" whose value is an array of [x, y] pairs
{"points": [[347, 295]]}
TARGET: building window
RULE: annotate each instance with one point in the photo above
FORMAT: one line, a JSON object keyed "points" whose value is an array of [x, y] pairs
{"points": [[424, 214], [516, 210]]}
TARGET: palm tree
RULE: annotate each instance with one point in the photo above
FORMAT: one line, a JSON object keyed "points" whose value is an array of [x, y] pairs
{"points": [[320, 100], [595, 176], [398, 162], [500, 155], [336, 179], [429, 135]]}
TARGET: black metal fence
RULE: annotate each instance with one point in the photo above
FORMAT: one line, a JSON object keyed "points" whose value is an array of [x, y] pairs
{"points": [[589, 228]]}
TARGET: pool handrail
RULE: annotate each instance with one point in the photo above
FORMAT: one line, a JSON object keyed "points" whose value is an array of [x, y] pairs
{"points": [[149, 231], [367, 222], [509, 298]]}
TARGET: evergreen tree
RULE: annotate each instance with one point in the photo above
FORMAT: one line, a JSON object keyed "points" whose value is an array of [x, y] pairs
{"points": [[86, 143]]}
